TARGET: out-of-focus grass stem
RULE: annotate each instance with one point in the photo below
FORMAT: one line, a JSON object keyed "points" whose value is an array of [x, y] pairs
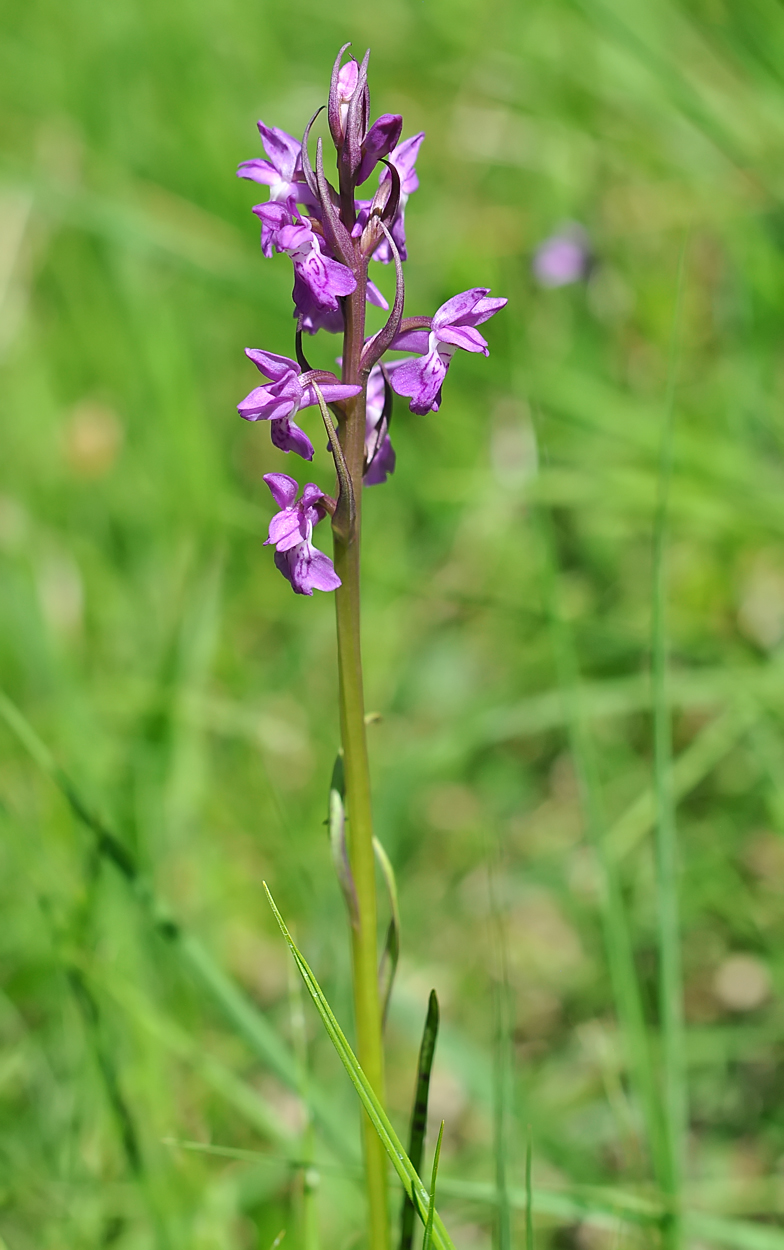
{"points": [[674, 1100]]}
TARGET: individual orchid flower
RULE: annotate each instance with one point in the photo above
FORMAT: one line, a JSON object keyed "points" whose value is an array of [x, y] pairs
{"points": [[318, 279], [453, 326], [282, 173], [290, 532], [288, 391], [404, 160]]}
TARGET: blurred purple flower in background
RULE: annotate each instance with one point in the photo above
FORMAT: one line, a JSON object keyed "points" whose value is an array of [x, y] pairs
{"points": [[563, 258], [290, 532]]}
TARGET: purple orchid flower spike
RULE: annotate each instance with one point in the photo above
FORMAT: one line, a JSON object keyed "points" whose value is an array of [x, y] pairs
{"points": [[288, 391], [290, 532], [318, 279], [453, 326], [404, 159]]}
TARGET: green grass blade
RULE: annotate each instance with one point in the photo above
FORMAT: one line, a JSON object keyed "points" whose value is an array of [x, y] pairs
{"points": [[431, 1206], [503, 1093], [691, 767], [529, 1195], [416, 1137], [375, 1112]]}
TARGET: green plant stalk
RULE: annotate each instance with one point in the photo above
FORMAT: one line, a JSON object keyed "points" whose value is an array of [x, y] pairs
{"points": [[364, 945]]}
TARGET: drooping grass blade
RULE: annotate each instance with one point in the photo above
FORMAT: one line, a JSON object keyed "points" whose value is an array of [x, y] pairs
{"points": [[416, 1137]]}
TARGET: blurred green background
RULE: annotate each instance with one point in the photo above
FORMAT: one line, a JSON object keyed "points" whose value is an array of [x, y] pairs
{"points": [[146, 634]]}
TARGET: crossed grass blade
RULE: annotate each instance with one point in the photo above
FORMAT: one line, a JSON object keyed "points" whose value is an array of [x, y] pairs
{"points": [[401, 1163]]}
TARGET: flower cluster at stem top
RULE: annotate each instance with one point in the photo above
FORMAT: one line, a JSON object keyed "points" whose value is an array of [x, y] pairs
{"points": [[330, 236]]}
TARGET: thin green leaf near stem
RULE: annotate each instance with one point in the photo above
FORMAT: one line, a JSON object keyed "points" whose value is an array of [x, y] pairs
{"points": [[418, 1128], [388, 1138]]}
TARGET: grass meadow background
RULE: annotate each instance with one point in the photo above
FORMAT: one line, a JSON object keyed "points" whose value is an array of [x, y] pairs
{"points": [[191, 698]]}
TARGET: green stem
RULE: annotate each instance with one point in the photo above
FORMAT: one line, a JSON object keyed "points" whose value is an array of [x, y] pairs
{"points": [[367, 1008]]}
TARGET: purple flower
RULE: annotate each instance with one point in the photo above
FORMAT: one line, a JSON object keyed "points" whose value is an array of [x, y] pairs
{"points": [[404, 160], [282, 173], [453, 326], [290, 532], [563, 258], [379, 141], [280, 400], [318, 279]]}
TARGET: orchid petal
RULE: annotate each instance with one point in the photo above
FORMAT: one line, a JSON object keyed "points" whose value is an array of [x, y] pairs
{"points": [[463, 336], [379, 140], [420, 380], [263, 405], [282, 488], [258, 170], [281, 148], [459, 306], [287, 436], [285, 529], [411, 341], [374, 296], [273, 366]]}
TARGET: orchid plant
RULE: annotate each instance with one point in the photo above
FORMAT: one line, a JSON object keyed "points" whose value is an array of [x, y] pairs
{"points": [[331, 235]]}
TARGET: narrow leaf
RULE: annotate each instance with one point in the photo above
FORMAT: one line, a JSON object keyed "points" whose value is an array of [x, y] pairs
{"points": [[431, 1210], [367, 1096], [416, 1137]]}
